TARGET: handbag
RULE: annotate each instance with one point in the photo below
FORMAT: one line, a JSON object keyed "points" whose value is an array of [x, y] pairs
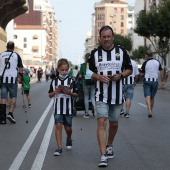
{"points": [[1, 77]]}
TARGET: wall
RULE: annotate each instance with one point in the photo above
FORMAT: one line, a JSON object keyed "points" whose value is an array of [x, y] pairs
{"points": [[3, 40]]}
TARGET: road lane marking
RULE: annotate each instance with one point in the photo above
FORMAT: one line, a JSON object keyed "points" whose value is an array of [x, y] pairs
{"points": [[22, 153], [39, 160], [142, 104]]}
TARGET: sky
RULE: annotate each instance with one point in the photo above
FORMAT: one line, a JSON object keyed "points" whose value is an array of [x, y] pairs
{"points": [[75, 21]]}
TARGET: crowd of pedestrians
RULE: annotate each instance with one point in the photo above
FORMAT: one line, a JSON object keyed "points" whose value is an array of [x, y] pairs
{"points": [[108, 77]]}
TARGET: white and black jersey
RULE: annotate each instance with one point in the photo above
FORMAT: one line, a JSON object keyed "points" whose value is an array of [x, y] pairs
{"points": [[131, 78], [150, 69], [63, 103], [109, 62], [11, 71]]}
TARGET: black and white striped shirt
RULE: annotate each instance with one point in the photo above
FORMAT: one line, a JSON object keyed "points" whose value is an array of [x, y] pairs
{"points": [[150, 69], [108, 63], [11, 71], [131, 78], [63, 103]]}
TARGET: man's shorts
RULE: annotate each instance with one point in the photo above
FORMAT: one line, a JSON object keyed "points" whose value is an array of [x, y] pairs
{"points": [[129, 91], [65, 119], [150, 88], [110, 111], [12, 88]]}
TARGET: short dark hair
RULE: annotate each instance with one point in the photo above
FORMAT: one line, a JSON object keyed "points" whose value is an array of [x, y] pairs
{"points": [[10, 45], [148, 53], [106, 27]]}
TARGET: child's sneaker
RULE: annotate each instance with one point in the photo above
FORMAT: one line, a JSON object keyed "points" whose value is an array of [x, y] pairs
{"points": [[29, 105], [103, 161], [23, 106], [58, 152], [69, 144]]}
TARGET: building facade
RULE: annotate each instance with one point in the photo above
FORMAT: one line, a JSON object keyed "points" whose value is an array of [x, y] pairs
{"points": [[113, 13], [36, 32]]}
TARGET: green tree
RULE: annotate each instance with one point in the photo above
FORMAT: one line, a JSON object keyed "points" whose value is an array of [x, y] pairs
{"points": [[154, 25], [139, 53], [122, 40]]}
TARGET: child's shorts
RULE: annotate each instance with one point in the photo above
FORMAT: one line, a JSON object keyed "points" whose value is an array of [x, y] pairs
{"points": [[25, 92], [65, 119]]}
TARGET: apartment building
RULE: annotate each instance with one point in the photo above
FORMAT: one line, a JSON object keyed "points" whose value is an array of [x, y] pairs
{"points": [[130, 21], [88, 43], [36, 32], [113, 13]]}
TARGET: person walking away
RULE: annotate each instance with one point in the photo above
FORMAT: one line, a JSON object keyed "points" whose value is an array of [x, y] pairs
{"points": [[9, 82], [62, 90], [88, 86], [39, 74], [166, 73], [47, 73], [112, 64], [149, 71], [26, 87], [129, 84]]}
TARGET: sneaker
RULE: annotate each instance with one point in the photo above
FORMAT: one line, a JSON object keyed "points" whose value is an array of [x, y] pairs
{"points": [[23, 106], [69, 144], [127, 115], [103, 161], [58, 152], [86, 116], [29, 105], [109, 152], [122, 112], [10, 117], [149, 114]]}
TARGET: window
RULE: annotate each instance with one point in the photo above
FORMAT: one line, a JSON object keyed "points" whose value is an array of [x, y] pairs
{"points": [[15, 36], [115, 10], [25, 39], [122, 31], [122, 10], [129, 15], [101, 17], [122, 17], [25, 45], [122, 24], [35, 37]]}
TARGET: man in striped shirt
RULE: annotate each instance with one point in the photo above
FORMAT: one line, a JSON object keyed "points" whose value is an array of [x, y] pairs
{"points": [[9, 81], [112, 64], [129, 85], [149, 71]]}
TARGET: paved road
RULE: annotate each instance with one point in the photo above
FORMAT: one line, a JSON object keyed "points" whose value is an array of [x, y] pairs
{"points": [[141, 143]]}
